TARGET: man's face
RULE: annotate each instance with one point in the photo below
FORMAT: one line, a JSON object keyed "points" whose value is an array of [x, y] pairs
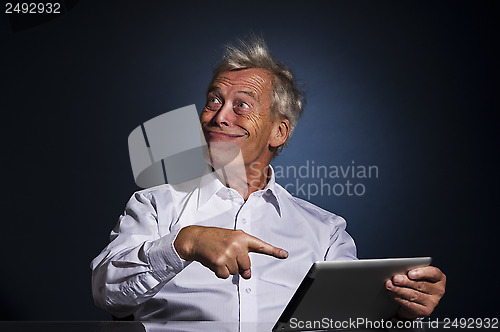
{"points": [[238, 112]]}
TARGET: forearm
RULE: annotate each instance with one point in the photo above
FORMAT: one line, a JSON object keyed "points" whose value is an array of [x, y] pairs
{"points": [[125, 277]]}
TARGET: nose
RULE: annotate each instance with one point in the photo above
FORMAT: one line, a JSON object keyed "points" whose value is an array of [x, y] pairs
{"points": [[224, 116]]}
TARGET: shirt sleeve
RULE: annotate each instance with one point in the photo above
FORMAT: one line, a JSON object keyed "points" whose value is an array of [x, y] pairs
{"points": [[138, 261], [342, 245]]}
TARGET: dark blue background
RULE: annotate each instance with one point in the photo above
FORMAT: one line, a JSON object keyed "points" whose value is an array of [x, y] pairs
{"points": [[408, 86]]}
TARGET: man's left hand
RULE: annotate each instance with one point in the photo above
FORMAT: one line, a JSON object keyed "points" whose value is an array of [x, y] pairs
{"points": [[418, 292]]}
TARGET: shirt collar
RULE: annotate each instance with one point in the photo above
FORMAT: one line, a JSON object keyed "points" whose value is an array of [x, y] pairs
{"points": [[210, 184], [270, 192]]}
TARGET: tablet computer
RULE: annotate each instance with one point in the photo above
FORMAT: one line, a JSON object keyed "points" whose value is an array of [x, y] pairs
{"points": [[336, 292]]}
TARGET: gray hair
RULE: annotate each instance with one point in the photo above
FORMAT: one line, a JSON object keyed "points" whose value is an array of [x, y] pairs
{"points": [[288, 100]]}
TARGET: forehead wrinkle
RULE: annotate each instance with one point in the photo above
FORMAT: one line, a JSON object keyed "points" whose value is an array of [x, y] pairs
{"points": [[255, 83]]}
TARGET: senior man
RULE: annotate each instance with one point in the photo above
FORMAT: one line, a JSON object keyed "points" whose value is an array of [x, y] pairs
{"points": [[234, 245]]}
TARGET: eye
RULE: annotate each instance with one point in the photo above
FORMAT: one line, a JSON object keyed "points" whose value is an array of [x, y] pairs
{"points": [[213, 103], [242, 107]]}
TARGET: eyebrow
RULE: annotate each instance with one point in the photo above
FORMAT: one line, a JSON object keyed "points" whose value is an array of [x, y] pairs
{"points": [[249, 93], [214, 88]]}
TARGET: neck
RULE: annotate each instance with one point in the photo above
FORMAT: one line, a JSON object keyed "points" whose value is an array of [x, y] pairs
{"points": [[245, 180]]}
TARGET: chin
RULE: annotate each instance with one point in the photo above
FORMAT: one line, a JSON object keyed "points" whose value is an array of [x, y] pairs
{"points": [[223, 153]]}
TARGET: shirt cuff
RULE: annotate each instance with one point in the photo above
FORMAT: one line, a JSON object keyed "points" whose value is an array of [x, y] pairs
{"points": [[164, 259]]}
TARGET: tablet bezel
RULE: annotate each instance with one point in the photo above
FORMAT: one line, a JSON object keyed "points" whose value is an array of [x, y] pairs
{"points": [[363, 279]]}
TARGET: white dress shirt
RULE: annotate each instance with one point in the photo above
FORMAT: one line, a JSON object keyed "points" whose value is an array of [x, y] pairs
{"points": [[140, 273]]}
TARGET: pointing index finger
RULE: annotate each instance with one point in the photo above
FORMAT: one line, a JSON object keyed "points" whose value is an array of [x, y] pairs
{"points": [[261, 247]]}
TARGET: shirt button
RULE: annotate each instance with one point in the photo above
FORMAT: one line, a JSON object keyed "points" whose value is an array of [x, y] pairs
{"points": [[244, 220], [248, 290]]}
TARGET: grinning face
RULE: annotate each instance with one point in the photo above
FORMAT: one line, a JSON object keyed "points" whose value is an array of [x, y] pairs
{"points": [[237, 113]]}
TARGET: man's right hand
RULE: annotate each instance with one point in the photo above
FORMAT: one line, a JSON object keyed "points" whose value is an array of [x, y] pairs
{"points": [[224, 251]]}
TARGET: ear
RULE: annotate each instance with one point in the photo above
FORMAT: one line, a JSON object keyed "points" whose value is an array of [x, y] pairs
{"points": [[279, 133]]}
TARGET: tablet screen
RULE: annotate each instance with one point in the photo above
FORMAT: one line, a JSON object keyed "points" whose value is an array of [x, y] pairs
{"points": [[342, 291]]}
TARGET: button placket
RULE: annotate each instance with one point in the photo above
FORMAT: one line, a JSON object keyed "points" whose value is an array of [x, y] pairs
{"points": [[243, 220], [248, 299]]}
